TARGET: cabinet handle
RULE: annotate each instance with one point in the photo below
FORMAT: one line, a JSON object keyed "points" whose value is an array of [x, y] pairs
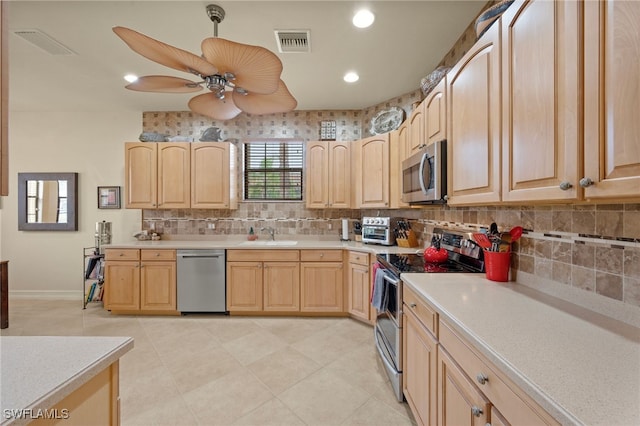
{"points": [[476, 411], [482, 378], [121, 254], [321, 254], [412, 305], [586, 182], [565, 185], [157, 254]]}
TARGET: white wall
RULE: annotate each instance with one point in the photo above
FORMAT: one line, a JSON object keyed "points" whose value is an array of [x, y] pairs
{"points": [[49, 264]]}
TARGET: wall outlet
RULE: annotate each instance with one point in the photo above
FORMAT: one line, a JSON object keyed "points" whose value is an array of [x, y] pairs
{"points": [[211, 225], [329, 226]]}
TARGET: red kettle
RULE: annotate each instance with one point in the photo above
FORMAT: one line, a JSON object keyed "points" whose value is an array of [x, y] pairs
{"points": [[435, 254]]}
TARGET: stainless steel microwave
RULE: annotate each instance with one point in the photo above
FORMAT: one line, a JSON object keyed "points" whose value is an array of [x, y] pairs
{"points": [[424, 175]]}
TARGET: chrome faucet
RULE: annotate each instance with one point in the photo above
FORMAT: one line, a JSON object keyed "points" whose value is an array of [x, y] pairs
{"points": [[271, 232]]}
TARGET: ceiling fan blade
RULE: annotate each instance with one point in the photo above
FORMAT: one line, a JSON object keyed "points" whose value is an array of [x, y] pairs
{"points": [[164, 54], [164, 84], [256, 69], [209, 105], [280, 101]]}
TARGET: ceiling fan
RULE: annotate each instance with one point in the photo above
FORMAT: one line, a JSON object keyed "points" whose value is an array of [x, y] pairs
{"points": [[240, 77]]}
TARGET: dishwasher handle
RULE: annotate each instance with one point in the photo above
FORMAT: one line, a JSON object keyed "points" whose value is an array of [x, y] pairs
{"points": [[201, 256]]}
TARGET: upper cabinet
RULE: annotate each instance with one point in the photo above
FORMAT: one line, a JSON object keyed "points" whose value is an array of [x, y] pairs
{"points": [[372, 172], [541, 88], [213, 176], [612, 100], [473, 144], [415, 124], [328, 175], [435, 113], [179, 175]]}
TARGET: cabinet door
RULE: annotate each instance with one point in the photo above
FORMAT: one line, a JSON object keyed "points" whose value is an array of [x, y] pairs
{"points": [[416, 128], [210, 172], [339, 175], [612, 99], [459, 402], [321, 287], [174, 175], [541, 88], [473, 148], [420, 370], [281, 286], [4, 100], [397, 154], [140, 175], [317, 175], [158, 286], [122, 285], [244, 286], [358, 291], [435, 114], [372, 185]]}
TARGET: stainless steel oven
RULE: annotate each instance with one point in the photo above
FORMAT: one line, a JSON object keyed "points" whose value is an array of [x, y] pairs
{"points": [[463, 256], [424, 175]]}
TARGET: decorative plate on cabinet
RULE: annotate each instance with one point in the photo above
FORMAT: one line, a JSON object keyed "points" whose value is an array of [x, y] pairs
{"points": [[387, 121]]}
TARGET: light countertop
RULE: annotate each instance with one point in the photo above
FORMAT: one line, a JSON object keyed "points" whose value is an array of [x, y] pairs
{"points": [[242, 244], [39, 371], [580, 366]]}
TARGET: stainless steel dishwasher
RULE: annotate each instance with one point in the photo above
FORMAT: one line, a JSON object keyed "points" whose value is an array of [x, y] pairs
{"points": [[201, 281]]}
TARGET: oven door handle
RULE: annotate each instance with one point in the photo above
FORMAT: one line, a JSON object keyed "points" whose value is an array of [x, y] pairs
{"points": [[423, 162], [393, 281], [381, 350]]}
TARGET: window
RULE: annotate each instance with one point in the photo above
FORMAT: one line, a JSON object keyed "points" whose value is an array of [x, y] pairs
{"points": [[273, 171]]}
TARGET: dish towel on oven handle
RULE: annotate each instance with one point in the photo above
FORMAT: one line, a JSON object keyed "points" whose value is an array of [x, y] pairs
{"points": [[379, 293]]}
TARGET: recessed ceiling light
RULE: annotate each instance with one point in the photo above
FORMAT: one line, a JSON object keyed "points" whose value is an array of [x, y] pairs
{"points": [[131, 78], [363, 18], [351, 77]]}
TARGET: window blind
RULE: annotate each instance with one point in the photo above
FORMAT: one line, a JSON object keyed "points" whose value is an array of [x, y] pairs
{"points": [[273, 171]]}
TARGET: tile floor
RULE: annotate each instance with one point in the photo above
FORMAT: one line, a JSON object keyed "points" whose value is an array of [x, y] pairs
{"points": [[220, 370]]}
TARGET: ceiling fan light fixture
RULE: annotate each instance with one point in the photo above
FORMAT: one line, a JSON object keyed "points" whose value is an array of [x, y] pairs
{"points": [[351, 77], [363, 18], [130, 78]]}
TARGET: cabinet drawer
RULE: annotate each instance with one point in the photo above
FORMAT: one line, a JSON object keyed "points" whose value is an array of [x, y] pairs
{"points": [[513, 403], [427, 316], [263, 255], [122, 254], [321, 255], [359, 258], [147, 254]]}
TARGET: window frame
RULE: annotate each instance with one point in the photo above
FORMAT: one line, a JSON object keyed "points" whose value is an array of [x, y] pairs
{"points": [[245, 172]]}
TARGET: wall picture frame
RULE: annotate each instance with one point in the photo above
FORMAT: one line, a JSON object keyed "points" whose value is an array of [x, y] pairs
{"points": [[108, 197]]}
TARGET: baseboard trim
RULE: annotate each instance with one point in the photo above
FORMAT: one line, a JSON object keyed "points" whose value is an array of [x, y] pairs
{"points": [[46, 294]]}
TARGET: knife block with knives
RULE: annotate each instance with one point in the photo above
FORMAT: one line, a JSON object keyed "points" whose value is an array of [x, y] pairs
{"points": [[405, 237]]}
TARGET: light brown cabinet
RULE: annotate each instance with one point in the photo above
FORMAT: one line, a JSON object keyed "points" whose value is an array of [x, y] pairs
{"points": [[263, 281], [372, 177], [328, 175], [397, 154], [473, 135], [415, 124], [179, 175], [611, 100], [435, 113], [213, 176], [321, 281], [140, 280], [541, 88], [358, 286]]}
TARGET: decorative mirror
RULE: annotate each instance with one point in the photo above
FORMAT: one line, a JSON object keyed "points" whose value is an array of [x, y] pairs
{"points": [[47, 201]]}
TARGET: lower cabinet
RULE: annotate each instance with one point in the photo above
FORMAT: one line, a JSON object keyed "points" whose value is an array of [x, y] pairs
{"points": [[359, 286], [321, 281], [263, 281], [140, 280], [446, 381]]}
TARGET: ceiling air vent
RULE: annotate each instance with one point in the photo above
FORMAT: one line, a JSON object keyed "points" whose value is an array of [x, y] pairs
{"points": [[293, 41], [44, 42]]}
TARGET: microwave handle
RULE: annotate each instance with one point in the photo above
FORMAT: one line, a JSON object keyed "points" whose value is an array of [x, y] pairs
{"points": [[423, 162]]}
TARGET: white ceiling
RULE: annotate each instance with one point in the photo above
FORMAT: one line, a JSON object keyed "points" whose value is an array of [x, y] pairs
{"points": [[406, 42]]}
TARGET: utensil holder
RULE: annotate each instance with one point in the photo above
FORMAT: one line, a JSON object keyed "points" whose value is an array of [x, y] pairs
{"points": [[497, 265], [410, 241]]}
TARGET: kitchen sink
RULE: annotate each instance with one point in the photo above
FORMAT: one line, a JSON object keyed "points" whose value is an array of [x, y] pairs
{"points": [[270, 243]]}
